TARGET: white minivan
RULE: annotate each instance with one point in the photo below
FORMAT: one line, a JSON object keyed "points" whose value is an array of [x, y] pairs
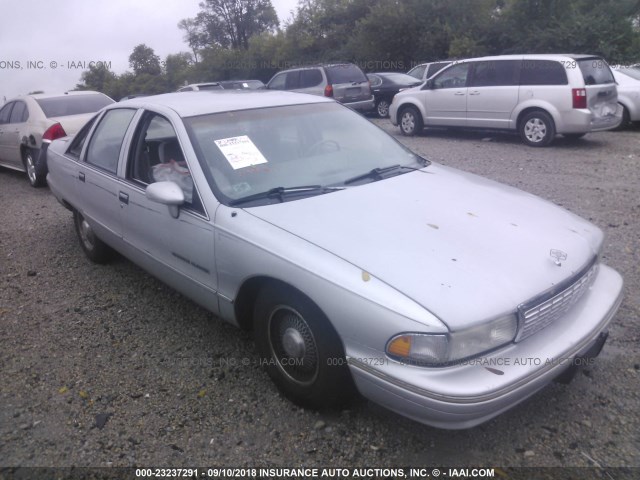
{"points": [[536, 95]]}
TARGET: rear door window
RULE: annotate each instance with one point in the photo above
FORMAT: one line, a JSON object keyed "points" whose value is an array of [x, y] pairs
{"points": [[19, 113], [496, 73], [106, 142], [310, 78], [542, 72], [595, 71]]}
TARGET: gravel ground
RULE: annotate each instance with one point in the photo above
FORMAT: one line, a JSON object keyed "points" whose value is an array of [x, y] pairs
{"points": [[105, 366]]}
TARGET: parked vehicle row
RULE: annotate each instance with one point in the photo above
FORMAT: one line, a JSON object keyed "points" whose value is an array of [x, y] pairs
{"points": [[538, 96], [29, 123], [259, 208]]}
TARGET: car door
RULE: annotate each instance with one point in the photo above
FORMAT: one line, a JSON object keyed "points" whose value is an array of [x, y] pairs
{"points": [[180, 251], [493, 93], [97, 181], [445, 97], [6, 137]]}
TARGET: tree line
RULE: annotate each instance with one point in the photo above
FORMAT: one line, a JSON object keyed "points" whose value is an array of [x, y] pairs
{"points": [[242, 39]]}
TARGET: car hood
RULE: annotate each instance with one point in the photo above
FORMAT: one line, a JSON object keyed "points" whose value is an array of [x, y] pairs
{"points": [[466, 248]]}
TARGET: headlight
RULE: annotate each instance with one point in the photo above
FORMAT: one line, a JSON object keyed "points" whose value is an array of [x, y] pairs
{"points": [[438, 349]]}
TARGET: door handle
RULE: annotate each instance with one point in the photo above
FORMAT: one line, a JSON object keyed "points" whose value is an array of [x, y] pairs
{"points": [[81, 176], [475, 92], [459, 93], [123, 197]]}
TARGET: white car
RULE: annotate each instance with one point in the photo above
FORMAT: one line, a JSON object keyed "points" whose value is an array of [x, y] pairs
{"points": [[628, 80], [535, 95], [30, 122]]}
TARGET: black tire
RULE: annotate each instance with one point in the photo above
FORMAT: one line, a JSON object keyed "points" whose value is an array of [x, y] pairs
{"points": [[626, 119], [29, 160], [300, 349], [410, 121], [382, 108], [95, 249], [573, 136], [537, 129]]}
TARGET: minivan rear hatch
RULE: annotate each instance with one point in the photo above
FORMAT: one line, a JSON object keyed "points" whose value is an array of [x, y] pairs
{"points": [[348, 82], [601, 92]]}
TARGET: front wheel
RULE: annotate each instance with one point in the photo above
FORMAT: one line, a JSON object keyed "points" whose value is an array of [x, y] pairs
{"points": [[537, 129], [36, 180], [410, 121], [95, 249], [301, 351]]}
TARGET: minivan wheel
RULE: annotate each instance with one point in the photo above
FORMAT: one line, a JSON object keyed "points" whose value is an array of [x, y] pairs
{"points": [[95, 249], [537, 129], [410, 121], [299, 348], [383, 108]]}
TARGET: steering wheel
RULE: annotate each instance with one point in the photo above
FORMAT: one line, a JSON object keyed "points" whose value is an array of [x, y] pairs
{"points": [[322, 146]]}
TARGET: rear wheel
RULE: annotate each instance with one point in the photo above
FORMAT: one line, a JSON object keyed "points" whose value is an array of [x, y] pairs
{"points": [[382, 107], [537, 129], [410, 121], [300, 349], [95, 249], [28, 158]]}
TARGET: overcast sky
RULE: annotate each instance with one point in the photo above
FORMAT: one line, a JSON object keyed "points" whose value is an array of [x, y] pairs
{"points": [[46, 46]]}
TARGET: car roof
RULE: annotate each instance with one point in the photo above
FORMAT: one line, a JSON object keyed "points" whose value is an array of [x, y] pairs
{"points": [[38, 96], [531, 56], [189, 104]]}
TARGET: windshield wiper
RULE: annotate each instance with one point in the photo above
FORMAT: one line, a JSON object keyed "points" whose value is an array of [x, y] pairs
{"points": [[379, 173], [281, 192]]}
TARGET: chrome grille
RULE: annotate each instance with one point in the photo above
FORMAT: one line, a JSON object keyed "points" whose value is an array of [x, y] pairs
{"points": [[546, 309]]}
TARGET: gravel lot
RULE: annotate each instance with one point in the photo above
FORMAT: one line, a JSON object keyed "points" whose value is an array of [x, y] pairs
{"points": [[105, 366]]}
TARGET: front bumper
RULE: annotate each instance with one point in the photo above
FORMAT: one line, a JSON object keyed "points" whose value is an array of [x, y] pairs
{"points": [[475, 391]]}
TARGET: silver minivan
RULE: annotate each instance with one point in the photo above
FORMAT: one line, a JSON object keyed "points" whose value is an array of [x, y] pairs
{"points": [[344, 82], [536, 95]]}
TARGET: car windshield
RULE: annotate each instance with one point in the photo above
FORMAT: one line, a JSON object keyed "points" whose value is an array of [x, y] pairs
{"points": [[244, 153], [66, 105]]}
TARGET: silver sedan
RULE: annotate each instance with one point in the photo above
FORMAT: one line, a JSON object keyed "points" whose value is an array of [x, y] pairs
{"points": [[359, 265], [30, 122]]}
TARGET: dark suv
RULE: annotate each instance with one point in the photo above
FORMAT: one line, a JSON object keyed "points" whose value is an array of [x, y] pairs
{"points": [[343, 81]]}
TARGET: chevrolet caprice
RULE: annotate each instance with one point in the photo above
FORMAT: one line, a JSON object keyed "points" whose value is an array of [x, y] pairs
{"points": [[359, 265]]}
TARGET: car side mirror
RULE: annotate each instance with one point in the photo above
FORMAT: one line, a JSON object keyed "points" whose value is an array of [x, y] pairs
{"points": [[166, 193]]}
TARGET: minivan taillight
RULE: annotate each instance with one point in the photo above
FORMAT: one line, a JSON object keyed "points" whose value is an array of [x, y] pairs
{"points": [[53, 132], [579, 97], [328, 91]]}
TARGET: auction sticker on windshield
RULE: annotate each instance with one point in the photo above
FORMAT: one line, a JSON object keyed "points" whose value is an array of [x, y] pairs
{"points": [[240, 152]]}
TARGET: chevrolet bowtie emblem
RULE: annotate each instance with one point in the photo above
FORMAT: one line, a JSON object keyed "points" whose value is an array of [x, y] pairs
{"points": [[558, 256]]}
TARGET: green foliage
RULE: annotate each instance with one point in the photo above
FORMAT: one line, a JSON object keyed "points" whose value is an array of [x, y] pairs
{"points": [[238, 39]]}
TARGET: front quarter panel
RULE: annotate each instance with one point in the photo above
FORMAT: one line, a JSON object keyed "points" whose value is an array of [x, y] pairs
{"points": [[365, 311]]}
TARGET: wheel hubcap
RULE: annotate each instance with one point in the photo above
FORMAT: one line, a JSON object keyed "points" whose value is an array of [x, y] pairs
{"points": [[293, 347], [535, 130], [31, 168], [86, 234], [408, 122], [383, 108]]}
